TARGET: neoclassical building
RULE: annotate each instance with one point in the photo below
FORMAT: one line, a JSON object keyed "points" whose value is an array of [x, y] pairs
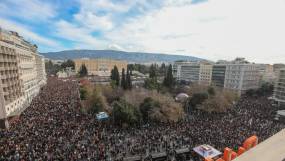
{"points": [[100, 67]]}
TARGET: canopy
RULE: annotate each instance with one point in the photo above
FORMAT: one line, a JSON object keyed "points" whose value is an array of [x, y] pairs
{"points": [[207, 151]]}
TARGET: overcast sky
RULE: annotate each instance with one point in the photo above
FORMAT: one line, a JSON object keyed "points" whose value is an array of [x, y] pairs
{"points": [[211, 29]]}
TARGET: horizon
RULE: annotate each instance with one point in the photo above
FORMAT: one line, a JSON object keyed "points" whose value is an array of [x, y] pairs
{"points": [[213, 29]]}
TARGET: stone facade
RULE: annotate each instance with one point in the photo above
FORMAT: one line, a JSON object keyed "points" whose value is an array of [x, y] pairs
{"points": [[100, 67]]}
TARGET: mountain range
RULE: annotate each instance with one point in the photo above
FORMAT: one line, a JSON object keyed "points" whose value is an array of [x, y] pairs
{"points": [[136, 57]]}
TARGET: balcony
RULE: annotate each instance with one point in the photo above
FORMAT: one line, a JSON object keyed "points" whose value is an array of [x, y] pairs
{"points": [[10, 60]]}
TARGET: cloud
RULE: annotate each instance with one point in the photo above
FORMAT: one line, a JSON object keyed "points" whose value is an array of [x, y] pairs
{"points": [[116, 47], [103, 5], [211, 29], [29, 35], [219, 29], [198, 1], [80, 36], [33, 10], [94, 22]]}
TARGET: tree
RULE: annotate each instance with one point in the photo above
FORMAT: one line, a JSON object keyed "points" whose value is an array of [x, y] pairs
{"points": [[83, 93], [51, 68], [168, 79], [197, 99], [128, 78], [152, 71], [123, 112], [265, 89], [112, 75], [68, 63], [97, 104], [147, 106], [162, 69], [151, 83], [123, 80], [217, 103], [83, 71], [211, 91], [115, 76]]}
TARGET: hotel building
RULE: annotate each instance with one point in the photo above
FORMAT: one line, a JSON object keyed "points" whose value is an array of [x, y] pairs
{"points": [[22, 73]]}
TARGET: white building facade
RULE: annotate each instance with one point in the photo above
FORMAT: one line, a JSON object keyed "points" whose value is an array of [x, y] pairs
{"points": [[195, 72], [22, 72], [238, 75], [241, 77]]}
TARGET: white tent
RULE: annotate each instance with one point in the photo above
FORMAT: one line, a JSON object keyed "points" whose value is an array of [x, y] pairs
{"points": [[181, 97]]}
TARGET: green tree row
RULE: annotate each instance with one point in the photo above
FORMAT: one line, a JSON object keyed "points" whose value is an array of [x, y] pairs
{"points": [[125, 82]]}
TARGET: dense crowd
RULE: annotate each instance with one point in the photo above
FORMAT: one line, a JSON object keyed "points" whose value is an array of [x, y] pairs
{"points": [[54, 128]]}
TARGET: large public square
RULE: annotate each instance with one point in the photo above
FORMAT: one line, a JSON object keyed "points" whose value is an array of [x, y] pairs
{"points": [[54, 128]]}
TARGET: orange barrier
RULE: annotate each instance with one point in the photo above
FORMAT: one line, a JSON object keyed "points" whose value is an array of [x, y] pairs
{"points": [[241, 150], [227, 154], [209, 159], [250, 142], [234, 155]]}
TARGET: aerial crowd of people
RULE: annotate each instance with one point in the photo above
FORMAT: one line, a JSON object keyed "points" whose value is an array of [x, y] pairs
{"points": [[54, 128]]}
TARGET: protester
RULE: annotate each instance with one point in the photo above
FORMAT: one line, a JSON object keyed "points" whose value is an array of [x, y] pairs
{"points": [[54, 128]]}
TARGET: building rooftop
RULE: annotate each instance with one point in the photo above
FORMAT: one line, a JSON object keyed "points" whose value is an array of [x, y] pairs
{"points": [[272, 149]]}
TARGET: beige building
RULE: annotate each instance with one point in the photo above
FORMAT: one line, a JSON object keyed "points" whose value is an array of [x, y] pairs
{"points": [[267, 73], [195, 72], [100, 67], [22, 74], [279, 90]]}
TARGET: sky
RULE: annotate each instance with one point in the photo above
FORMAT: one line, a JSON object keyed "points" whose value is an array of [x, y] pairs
{"points": [[210, 29]]}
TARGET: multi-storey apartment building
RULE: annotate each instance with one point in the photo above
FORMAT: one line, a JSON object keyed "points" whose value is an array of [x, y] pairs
{"points": [[279, 89], [100, 67], [238, 75], [196, 72], [267, 73], [22, 74], [241, 77], [218, 75]]}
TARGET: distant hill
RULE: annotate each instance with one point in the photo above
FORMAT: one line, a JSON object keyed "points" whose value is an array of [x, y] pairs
{"points": [[137, 57]]}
